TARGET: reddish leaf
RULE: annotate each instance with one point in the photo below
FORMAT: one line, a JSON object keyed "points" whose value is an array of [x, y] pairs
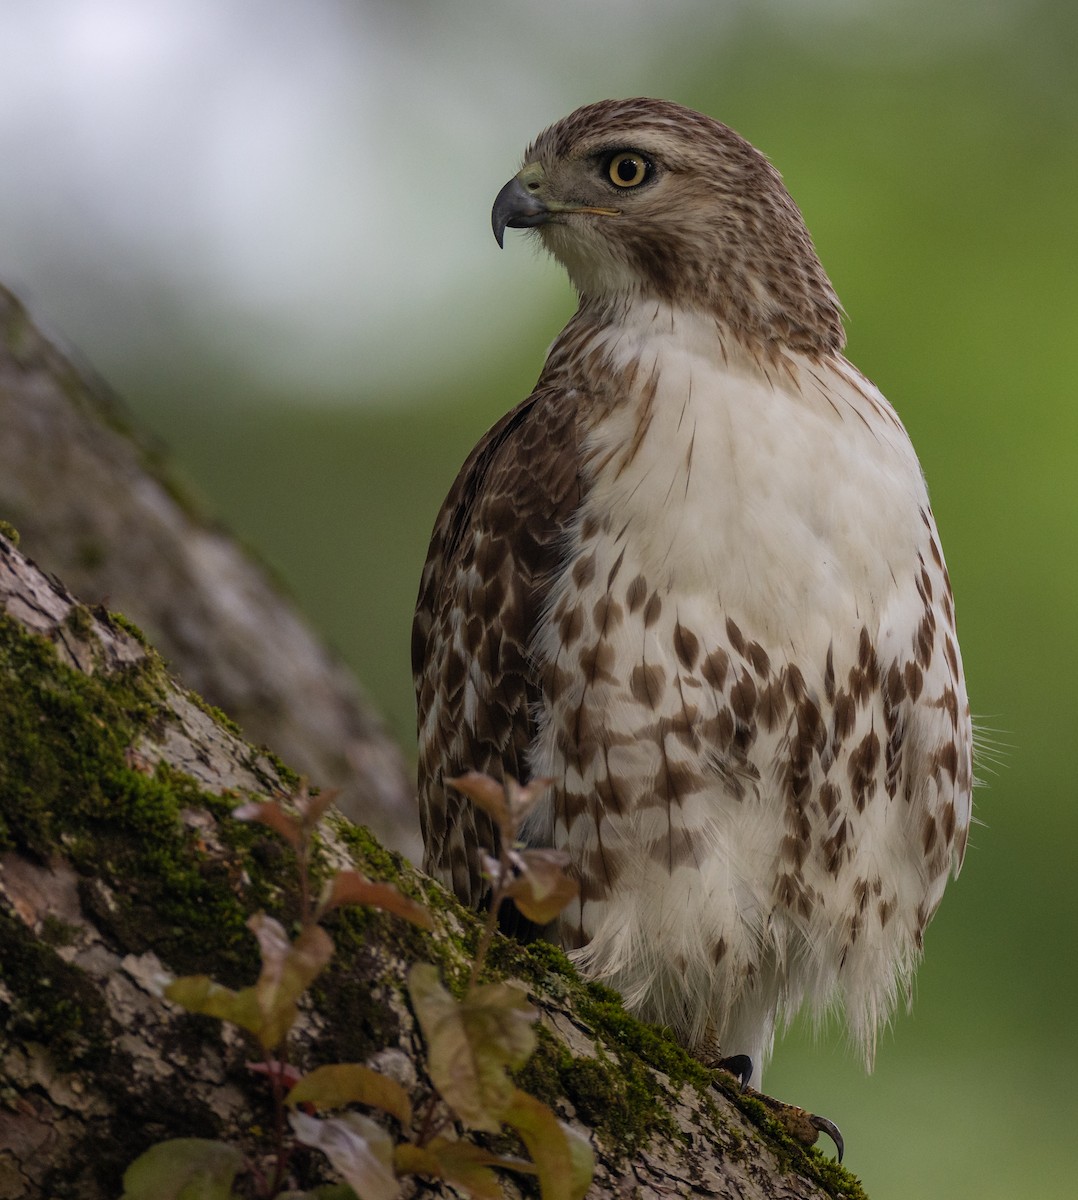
{"points": [[350, 887], [269, 812], [507, 804], [341, 1084], [285, 1072], [488, 794], [524, 797], [273, 943], [472, 1042], [358, 1148], [267, 1009], [581, 1162], [462, 1164], [542, 888], [563, 1161], [313, 808], [288, 969]]}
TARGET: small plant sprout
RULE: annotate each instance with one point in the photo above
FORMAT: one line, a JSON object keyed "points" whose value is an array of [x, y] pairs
{"points": [[472, 1043]]}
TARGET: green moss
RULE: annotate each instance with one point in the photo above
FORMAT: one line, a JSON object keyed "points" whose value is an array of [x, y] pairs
{"points": [[119, 621], [835, 1179], [54, 740], [658, 1050], [57, 932], [618, 1092], [79, 622], [614, 1094], [603, 1008], [10, 532], [217, 715], [375, 860], [539, 963], [51, 1002], [286, 777], [68, 781]]}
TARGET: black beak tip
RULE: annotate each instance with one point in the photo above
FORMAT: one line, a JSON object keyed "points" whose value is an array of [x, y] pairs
{"points": [[832, 1131], [515, 208]]}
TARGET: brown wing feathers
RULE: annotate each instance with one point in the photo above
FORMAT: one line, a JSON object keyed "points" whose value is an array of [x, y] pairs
{"points": [[496, 543]]}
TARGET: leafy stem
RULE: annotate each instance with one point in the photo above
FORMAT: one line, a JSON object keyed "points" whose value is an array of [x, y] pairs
{"points": [[472, 1044]]}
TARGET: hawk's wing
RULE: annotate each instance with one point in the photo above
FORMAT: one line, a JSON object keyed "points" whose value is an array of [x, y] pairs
{"points": [[496, 544]]}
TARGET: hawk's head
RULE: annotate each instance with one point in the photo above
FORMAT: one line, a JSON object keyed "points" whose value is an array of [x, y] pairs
{"points": [[646, 198]]}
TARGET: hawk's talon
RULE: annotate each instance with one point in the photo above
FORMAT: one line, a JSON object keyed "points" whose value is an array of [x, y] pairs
{"points": [[802, 1126], [739, 1066], [832, 1131]]}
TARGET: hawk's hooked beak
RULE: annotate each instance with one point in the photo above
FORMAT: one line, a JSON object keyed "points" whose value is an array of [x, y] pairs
{"points": [[517, 207], [521, 205]]}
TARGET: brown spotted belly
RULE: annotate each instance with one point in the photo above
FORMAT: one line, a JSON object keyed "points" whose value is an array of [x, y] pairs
{"points": [[751, 828]]}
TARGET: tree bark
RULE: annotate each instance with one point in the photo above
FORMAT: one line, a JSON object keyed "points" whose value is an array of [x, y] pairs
{"points": [[93, 503], [120, 861]]}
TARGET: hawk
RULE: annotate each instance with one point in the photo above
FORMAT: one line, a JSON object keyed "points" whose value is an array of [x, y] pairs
{"points": [[694, 579]]}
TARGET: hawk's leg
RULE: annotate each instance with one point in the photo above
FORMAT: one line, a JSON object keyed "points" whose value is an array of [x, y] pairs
{"points": [[802, 1126]]}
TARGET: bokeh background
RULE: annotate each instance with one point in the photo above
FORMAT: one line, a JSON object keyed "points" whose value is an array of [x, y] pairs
{"points": [[266, 224]]}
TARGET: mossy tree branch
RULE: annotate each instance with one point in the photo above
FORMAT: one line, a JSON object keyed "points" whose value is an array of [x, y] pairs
{"points": [[119, 860], [96, 503]]}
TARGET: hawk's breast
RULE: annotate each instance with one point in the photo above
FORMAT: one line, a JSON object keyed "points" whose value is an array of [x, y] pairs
{"points": [[727, 661]]}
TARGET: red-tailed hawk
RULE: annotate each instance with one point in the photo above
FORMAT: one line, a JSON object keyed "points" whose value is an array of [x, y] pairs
{"points": [[695, 580]]}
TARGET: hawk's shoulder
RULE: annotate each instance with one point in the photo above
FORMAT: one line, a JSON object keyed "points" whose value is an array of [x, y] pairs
{"points": [[496, 543]]}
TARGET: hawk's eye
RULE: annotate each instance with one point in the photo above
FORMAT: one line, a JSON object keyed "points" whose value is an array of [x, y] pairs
{"points": [[628, 169]]}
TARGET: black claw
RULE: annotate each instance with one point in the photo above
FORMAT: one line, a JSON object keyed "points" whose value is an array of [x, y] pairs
{"points": [[739, 1066], [832, 1131]]}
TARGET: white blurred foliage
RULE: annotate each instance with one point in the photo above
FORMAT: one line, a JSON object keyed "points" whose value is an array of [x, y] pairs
{"points": [[293, 188]]}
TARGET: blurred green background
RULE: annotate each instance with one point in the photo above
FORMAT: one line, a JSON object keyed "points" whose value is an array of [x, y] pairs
{"points": [[302, 300]]}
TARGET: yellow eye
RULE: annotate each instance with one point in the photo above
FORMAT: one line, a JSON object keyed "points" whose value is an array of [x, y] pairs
{"points": [[628, 169]]}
